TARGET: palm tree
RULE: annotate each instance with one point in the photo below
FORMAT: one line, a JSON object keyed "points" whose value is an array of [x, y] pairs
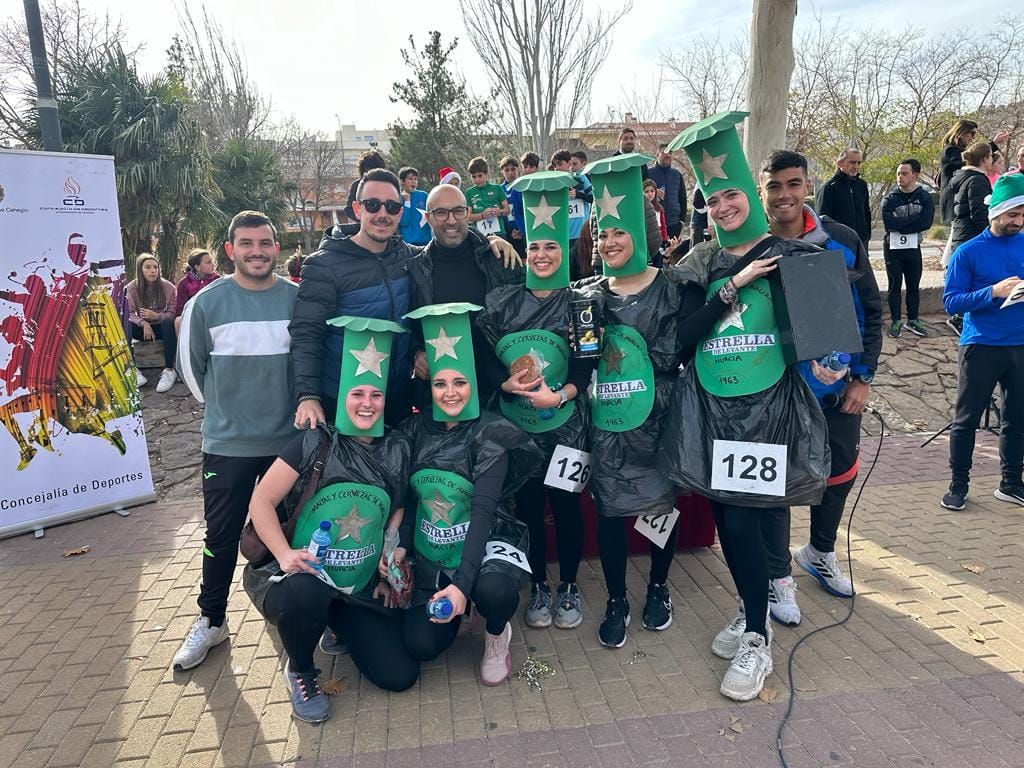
{"points": [[249, 175], [165, 182]]}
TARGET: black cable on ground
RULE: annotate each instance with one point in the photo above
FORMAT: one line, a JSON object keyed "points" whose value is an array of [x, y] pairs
{"points": [[853, 598]]}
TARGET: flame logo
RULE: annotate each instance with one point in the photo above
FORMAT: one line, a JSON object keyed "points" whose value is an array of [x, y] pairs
{"points": [[71, 186]]}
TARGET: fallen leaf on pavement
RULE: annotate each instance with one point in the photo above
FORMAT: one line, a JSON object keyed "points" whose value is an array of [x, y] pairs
{"points": [[733, 719], [975, 635], [768, 694], [77, 551], [973, 568], [334, 687], [736, 728]]}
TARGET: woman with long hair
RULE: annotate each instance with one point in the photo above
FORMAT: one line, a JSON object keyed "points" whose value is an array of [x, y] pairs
{"points": [[199, 273], [151, 312]]}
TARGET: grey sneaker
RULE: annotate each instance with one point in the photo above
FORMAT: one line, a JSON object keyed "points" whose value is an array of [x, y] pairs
{"points": [[309, 702], [198, 642], [744, 679], [825, 568], [332, 644], [568, 610], [538, 610], [782, 605], [727, 641]]}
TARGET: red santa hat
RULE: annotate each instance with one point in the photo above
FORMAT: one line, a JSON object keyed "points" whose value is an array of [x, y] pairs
{"points": [[449, 175]]}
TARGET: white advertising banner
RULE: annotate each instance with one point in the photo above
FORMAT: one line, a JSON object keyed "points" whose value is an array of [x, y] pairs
{"points": [[72, 442]]}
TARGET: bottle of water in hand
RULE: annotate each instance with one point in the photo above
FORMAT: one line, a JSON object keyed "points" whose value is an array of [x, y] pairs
{"points": [[440, 609], [836, 361], [319, 543]]}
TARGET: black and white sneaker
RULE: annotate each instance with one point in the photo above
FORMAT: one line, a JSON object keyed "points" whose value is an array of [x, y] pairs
{"points": [[956, 496], [612, 632], [657, 608], [956, 323], [1012, 493]]}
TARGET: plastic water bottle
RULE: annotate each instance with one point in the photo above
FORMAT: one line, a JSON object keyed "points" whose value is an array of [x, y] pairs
{"points": [[837, 361], [440, 609], [319, 543], [545, 413]]}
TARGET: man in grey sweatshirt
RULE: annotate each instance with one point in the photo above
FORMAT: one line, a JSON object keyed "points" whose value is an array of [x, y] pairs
{"points": [[234, 355]]}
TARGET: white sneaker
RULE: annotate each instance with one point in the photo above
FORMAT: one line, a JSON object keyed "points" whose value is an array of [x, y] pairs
{"points": [[140, 380], [782, 601], [727, 642], [167, 379], [198, 642], [824, 567], [744, 679], [497, 662]]}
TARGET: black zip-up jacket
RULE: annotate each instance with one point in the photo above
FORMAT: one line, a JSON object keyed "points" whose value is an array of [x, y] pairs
{"points": [[968, 191], [421, 269], [342, 278], [908, 212], [845, 199]]}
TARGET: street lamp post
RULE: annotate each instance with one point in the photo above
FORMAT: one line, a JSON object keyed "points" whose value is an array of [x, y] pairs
{"points": [[46, 105]]}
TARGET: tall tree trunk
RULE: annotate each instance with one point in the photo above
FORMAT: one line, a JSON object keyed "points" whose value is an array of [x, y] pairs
{"points": [[771, 66]]}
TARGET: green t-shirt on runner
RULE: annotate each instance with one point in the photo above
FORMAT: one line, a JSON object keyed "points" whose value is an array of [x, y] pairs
{"points": [[482, 198]]}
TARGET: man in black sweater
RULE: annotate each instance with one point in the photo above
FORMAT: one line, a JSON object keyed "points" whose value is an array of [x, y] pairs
{"points": [[907, 213], [844, 197], [457, 265]]}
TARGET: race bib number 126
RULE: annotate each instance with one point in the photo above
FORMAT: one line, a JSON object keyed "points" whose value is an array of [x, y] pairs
{"points": [[568, 470]]}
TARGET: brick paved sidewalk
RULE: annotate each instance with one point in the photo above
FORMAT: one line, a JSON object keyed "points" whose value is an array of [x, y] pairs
{"points": [[927, 673]]}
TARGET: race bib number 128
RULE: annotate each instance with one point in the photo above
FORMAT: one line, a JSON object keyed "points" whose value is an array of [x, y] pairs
{"points": [[749, 467]]}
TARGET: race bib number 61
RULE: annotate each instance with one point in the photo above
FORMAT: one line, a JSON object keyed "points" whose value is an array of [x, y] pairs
{"points": [[749, 467]]}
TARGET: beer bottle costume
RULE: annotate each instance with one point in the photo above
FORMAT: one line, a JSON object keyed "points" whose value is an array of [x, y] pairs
{"points": [[458, 475], [640, 355], [529, 330], [360, 485], [738, 390]]}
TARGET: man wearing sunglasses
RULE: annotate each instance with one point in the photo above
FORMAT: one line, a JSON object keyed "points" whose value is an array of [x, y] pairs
{"points": [[360, 269], [457, 265]]}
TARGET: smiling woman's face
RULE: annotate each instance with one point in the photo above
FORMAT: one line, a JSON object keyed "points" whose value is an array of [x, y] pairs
{"points": [[451, 392], [615, 247], [364, 405], [544, 257], [728, 208]]}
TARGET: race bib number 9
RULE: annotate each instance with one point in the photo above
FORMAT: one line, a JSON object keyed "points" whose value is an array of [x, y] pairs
{"points": [[568, 470], [575, 209], [489, 226], [898, 240], [502, 550], [749, 467]]}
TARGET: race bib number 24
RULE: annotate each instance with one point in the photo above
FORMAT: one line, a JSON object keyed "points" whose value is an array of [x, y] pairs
{"points": [[749, 467]]}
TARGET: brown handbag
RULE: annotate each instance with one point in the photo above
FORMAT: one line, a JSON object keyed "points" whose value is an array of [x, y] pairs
{"points": [[251, 546]]}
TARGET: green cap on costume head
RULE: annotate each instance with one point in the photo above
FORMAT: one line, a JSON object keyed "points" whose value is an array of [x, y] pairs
{"points": [[714, 150], [365, 359], [448, 334], [546, 212], [619, 203]]}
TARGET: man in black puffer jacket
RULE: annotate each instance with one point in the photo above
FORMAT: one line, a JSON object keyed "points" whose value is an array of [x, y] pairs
{"points": [[844, 197], [360, 270]]}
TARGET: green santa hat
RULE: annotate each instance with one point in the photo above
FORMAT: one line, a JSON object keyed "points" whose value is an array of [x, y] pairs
{"points": [[714, 150], [546, 212], [448, 334], [365, 359], [619, 203], [1007, 193]]}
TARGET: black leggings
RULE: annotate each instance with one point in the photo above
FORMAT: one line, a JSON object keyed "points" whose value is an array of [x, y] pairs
{"points": [[496, 597], [302, 606], [163, 330], [899, 265], [565, 507], [739, 531], [611, 544]]}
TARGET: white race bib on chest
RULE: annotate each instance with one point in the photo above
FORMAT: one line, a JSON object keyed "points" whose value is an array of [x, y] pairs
{"points": [[749, 467]]}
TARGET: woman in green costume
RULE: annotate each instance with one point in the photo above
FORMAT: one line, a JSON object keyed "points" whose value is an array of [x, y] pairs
{"points": [[359, 494]]}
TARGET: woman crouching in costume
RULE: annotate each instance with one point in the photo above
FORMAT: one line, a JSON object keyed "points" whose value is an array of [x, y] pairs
{"points": [[360, 488]]}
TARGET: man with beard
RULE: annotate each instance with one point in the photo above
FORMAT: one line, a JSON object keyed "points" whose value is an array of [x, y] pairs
{"points": [[457, 266], [360, 271], [627, 144], [233, 353], [982, 273]]}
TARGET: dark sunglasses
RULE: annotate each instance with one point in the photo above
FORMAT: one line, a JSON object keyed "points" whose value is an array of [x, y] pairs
{"points": [[372, 204]]}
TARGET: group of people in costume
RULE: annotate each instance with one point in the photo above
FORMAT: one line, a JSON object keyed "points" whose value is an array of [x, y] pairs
{"points": [[680, 365]]}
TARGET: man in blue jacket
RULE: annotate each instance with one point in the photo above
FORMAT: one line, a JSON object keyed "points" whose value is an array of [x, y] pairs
{"points": [[907, 212], [671, 191], [413, 226], [784, 184], [982, 274]]}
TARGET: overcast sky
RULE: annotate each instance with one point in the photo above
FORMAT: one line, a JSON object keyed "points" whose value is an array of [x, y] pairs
{"points": [[321, 58]]}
